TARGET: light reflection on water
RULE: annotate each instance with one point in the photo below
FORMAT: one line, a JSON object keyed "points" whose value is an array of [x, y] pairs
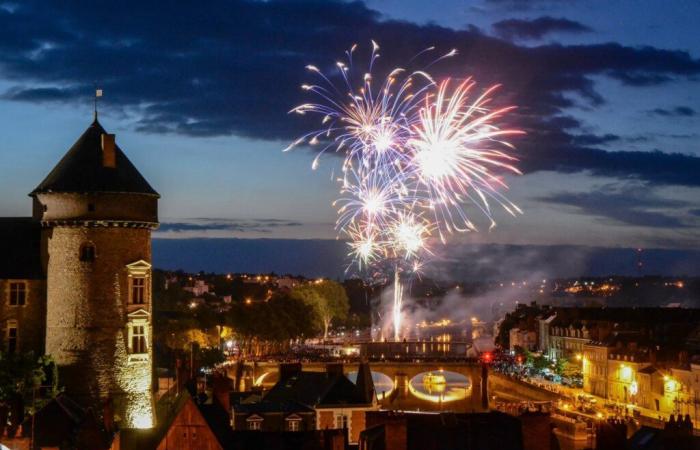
{"points": [[383, 385], [440, 386]]}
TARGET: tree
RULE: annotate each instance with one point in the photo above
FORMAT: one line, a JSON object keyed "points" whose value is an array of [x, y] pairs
{"points": [[271, 325], [328, 300], [22, 376], [210, 356]]}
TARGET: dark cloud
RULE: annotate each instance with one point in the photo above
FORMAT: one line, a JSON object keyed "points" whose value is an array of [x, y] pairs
{"points": [[205, 225], [537, 28], [628, 204], [525, 5], [234, 67], [678, 111], [39, 95], [594, 139]]}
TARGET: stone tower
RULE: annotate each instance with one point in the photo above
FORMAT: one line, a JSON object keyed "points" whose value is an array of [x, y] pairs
{"points": [[97, 213]]}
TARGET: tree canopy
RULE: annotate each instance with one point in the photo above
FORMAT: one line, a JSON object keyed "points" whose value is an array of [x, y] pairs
{"points": [[328, 300]]}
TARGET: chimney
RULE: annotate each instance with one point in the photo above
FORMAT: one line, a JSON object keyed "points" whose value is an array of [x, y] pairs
{"points": [[109, 157]]}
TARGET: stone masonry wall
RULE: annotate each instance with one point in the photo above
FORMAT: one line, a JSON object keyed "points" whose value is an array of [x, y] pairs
{"points": [[86, 326]]}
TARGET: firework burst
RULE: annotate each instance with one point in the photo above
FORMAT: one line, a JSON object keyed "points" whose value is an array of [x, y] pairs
{"points": [[416, 154]]}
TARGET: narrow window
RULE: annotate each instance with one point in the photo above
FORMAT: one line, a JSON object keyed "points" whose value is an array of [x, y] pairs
{"points": [[138, 339], [18, 294], [138, 290], [87, 253], [91, 207], [12, 336]]}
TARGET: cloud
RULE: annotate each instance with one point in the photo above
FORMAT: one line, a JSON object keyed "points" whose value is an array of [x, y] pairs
{"points": [[39, 95], [678, 111], [235, 67], [594, 139], [537, 28], [233, 225], [525, 5], [625, 204]]}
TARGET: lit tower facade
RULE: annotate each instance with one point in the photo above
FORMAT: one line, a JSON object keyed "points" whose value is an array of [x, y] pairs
{"points": [[97, 213]]}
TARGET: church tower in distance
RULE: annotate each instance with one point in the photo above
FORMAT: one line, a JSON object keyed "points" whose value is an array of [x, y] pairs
{"points": [[97, 213]]}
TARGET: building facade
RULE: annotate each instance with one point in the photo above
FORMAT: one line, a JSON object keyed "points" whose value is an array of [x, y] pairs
{"points": [[524, 339], [84, 293]]}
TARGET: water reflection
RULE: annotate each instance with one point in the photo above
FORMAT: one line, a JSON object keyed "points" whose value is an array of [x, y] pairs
{"points": [[383, 385], [440, 386]]}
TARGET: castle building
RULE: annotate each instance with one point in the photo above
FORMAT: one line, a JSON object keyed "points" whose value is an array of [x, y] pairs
{"points": [[75, 278]]}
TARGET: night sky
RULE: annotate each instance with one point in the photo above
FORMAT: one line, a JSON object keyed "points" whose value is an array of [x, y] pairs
{"points": [[198, 95]]}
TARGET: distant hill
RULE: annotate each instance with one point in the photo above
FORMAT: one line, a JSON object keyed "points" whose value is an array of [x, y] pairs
{"points": [[328, 258]]}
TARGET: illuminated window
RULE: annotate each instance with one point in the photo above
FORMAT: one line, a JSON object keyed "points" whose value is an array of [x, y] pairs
{"points": [[293, 423], [138, 339], [12, 336], [254, 423], [18, 293], [138, 290], [625, 373], [87, 253], [341, 421]]}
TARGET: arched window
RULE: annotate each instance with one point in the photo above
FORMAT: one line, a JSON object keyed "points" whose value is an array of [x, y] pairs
{"points": [[87, 252]]}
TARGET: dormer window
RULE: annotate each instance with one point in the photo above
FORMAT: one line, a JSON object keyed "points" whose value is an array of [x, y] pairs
{"points": [[254, 423], [87, 252], [293, 423]]}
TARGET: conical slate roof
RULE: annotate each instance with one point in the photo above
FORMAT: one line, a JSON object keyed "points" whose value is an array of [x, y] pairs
{"points": [[82, 170]]}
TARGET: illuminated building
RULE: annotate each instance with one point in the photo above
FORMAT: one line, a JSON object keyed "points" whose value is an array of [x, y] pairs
{"points": [[91, 246], [595, 368], [638, 378], [525, 339]]}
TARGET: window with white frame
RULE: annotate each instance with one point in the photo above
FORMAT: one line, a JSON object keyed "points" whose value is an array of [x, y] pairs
{"points": [[254, 423], [293, 423], [341, 421], [18, 293], [139, 285], [138, 290], [138, 339]]}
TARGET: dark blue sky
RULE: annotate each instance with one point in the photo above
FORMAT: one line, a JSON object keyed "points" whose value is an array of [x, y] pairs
{"points": [[198, 94]]}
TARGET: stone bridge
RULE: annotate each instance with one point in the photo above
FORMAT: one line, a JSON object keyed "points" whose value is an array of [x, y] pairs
{"points": [[266, 374]]}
